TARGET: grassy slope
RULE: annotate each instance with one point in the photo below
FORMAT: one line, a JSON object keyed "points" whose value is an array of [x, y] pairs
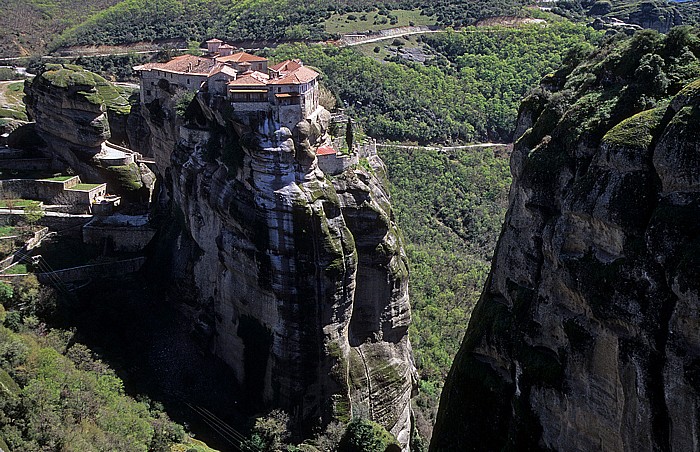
{"points": [[11, 100]]}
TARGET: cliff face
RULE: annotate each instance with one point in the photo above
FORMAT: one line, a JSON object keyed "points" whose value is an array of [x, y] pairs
{"points": [[75, 112], [586, 336], [70, 115], [298, 281]]}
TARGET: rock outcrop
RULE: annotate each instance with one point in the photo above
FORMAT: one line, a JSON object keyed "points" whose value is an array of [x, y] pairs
{"points": [[70, 115], [74, 110], [652, 14], [298, 281], [586, 336]]}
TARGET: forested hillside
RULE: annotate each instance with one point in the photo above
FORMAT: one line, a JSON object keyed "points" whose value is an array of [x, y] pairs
{"points": [[55, 394], [27, 26], [261, 20], [30, 27], [450, 206], [469, 91]]}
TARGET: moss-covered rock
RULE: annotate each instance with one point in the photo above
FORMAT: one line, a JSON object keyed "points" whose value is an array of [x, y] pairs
{"points": [[590, 314], [92, 87]]}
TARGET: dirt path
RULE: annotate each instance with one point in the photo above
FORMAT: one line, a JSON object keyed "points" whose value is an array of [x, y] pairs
{"points": [[5, 101]]}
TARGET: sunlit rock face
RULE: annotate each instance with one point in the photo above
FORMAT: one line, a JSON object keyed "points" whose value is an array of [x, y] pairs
{"points": [[298, 281], [587, 334]]}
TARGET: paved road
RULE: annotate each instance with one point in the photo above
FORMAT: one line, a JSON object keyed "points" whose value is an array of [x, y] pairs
{"points": [[441, 148], [374, 38]]}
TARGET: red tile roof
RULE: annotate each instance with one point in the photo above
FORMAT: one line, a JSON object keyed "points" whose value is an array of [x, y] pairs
{"points": [[215, 40], [252, 79], [325, 150], [240, 57], [228, 70], [297, 77], [287, 66], [185, 64]]}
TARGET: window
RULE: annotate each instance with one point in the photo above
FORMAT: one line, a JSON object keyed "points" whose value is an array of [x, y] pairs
{"points": [[188, 81], [148, 92]]}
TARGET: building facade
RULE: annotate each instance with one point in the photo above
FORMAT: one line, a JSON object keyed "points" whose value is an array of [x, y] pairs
{"points": [[288, 90]]}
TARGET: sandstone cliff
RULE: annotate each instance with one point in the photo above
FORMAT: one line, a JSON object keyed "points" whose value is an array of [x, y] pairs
{"points": [[586, 336], [73, 110], [297, 280]]}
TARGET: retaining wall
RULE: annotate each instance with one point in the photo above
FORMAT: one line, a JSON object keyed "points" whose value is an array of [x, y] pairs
{"points": [[128, 239]]}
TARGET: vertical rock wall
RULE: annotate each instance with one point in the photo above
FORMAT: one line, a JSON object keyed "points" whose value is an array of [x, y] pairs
{"points": [[301, 281], [586, 336]]}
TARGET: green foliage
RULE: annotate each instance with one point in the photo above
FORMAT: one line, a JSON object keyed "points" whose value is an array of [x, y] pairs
{"points": [[365, 435], [33, 213], [144, 20], [458, 13], [269, 432], [450, 206], [182, 100], [117, 66], [7, 73], [63, 398], [473, 94], [636, 131], [625, 77], [26, 26], [125, 177], [6, 293]]}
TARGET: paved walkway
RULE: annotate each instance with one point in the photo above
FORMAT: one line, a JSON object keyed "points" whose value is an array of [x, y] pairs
{"points": [[48, 213]]}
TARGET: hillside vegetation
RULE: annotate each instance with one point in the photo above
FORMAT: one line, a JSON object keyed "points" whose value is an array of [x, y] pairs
{"points": [[55, 394], [450, 206], [32, 26], [469, 91], [27, 26], [259, 20]]}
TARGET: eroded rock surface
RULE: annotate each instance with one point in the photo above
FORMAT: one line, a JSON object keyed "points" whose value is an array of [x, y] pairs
{"points": [[298, 280], [586, 336]]}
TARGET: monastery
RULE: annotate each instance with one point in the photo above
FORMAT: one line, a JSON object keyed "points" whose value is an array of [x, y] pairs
{"points": [[288, 90]]}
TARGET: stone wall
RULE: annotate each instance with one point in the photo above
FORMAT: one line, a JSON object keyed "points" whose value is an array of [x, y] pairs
{"points": [[129, 239], [334, 164]]}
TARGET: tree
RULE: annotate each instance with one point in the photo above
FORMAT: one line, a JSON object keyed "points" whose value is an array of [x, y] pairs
{"points": [[327, 99], [9, 200], [270, 432], [6, 293], [349, 135], [367, 436], [33, 213]]}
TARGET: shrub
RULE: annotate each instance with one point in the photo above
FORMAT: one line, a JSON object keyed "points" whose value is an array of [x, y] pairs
{"points": [[367, 436]]}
